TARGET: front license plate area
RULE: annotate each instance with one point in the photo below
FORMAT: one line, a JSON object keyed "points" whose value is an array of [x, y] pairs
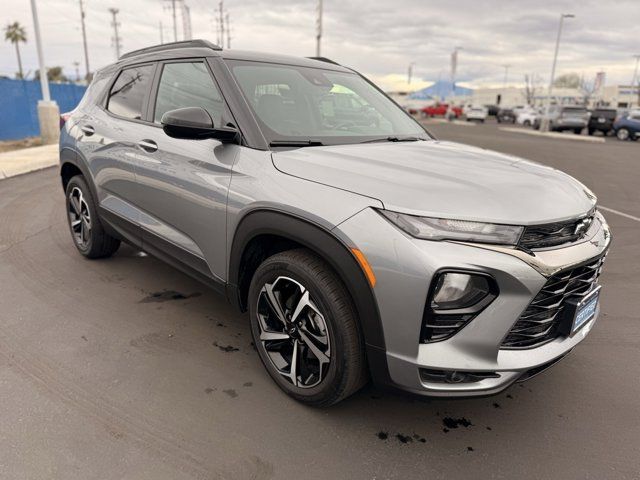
{"points": [[579, 311]]}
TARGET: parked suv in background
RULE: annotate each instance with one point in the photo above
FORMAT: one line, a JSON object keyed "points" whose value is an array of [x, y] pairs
{"points": [[601, 120], [627, 126], [527, 116], [562, 118], [476, 114], [360, 246], [506, 115]]}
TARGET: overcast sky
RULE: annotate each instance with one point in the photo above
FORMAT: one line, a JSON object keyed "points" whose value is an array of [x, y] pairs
{"points": [[379, 38]]}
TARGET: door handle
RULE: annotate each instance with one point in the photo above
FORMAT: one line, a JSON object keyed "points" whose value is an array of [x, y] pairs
{"points": [[88, 130], [148, 145]]}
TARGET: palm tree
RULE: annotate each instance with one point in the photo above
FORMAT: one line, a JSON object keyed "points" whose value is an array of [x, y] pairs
{"points": [[15, 33]]}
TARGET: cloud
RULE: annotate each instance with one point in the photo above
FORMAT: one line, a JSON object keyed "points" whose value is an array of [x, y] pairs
{"points": [[378, 38]]}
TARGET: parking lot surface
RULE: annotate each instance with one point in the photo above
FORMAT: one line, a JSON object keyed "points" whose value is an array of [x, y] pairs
{"points": [[127, 369]]}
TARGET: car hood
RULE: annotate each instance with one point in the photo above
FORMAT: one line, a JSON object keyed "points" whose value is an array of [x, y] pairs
{"points": [[443, 179]]}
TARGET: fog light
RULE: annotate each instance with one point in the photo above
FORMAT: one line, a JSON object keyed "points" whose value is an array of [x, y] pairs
{"points": [[459, 290]]}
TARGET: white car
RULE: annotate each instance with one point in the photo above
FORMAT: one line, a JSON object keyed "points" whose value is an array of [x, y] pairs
{"points": [[477, 114], [527, 117]]}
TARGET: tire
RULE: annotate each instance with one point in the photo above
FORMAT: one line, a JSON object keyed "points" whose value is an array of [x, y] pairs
{"points": [[86, 230], [591, 132], [623, 134], [527, 123], [577, 131], [339, 369]]}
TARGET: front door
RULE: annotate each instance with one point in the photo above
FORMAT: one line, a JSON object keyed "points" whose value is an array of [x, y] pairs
{"points": [[183, 184]]}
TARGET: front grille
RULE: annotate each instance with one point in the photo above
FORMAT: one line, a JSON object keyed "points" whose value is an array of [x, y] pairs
{"points": [[541, 321], [554, 234]]}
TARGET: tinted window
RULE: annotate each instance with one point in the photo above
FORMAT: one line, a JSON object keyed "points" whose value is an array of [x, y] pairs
{"points": [[188, 85], [127, 95]]}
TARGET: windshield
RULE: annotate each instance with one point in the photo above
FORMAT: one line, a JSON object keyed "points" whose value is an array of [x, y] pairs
{"points": [[302, 104]]}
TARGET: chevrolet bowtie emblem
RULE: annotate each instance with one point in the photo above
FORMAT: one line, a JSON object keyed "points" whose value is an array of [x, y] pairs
{"points": [[582, 227]]}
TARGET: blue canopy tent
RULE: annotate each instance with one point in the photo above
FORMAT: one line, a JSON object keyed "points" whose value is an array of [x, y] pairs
{"points": [[440, 90]]}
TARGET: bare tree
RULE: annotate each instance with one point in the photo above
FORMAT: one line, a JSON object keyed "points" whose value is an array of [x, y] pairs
{"points": [[588, 89], [531, 87]]}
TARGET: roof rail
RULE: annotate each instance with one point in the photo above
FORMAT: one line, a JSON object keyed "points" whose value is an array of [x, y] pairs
{"points": [[172, 46], [324, 59]]}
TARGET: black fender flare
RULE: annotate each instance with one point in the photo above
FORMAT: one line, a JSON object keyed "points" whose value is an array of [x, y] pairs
{"points": [[324, 243], [70, 156]]}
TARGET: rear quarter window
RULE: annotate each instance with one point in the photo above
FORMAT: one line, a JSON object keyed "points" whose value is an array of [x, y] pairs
{"points": [[129, 92]]}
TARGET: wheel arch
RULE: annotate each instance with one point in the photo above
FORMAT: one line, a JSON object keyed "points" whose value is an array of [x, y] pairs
{"points": [[276, 231], [71, 164]]}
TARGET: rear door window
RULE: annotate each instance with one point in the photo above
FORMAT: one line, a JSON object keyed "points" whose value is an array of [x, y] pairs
{"points": [[129, 92], [188, 84]]}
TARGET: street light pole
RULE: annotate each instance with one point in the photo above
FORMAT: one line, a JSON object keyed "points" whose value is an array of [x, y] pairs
{"points": [[48, 113], [544, 123], [410, 72], [84, 41], [44, 83], [635, 80], [506, 75]]}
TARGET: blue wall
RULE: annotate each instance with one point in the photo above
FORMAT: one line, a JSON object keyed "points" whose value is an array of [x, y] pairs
{"points": [[19, 101]]}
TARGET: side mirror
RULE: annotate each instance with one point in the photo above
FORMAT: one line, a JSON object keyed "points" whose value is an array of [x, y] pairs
{"points": [[195, 123]]}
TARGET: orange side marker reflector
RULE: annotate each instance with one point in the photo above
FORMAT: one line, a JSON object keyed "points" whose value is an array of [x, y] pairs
{"points": [[366, 268]]}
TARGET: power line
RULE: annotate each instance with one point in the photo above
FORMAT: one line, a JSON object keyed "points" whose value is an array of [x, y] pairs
{"points": [[116, 37]]}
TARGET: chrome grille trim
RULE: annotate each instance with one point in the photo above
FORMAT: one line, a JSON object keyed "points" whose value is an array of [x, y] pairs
{"points": [[540, 322], [555, 234]]}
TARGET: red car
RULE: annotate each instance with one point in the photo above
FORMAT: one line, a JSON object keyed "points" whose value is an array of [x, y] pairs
{"points": [[440, 110]]}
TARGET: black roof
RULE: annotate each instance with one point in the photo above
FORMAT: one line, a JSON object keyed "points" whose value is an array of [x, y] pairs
{"points": [[172, 46], [206, 48]]}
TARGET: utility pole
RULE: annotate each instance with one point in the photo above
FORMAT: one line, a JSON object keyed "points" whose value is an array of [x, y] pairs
{"points": [[544, 123], [506, 75], [84, 40], [116, 37], [221, 8], [186, 21], [175, 25], [228, 30], [319, 29], [77, 64], [161, 34], [48, 113]]}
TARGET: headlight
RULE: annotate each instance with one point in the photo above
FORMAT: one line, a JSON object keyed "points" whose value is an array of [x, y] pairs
{"points": [[462, 230]]}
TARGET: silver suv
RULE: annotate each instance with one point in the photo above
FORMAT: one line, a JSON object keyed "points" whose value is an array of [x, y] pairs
{"points": [[360, 246]]}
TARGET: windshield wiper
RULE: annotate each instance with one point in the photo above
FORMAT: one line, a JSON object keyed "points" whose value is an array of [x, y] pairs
{"points": [[295, 143], [394, 139]]}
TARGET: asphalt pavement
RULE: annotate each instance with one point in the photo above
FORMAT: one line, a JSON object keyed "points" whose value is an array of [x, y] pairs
{"points": [[127, 369]]}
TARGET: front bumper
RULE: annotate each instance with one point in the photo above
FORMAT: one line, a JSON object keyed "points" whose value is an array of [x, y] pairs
{"points": [[405, 267]]}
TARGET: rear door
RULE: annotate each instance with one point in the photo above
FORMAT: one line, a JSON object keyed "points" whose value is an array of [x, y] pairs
{"points": [[183, 184], [108, 144]]}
